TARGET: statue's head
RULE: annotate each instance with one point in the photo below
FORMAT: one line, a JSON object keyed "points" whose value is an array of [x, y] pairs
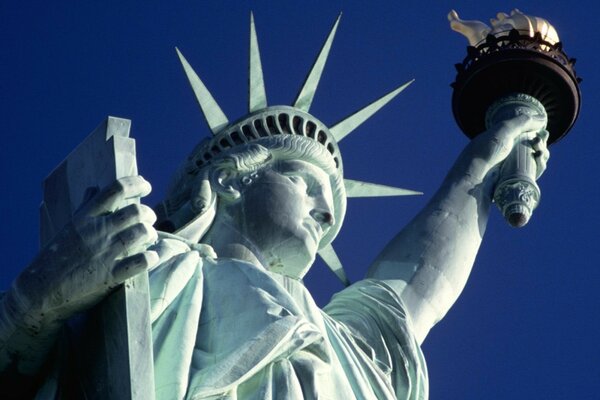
{"points": [[275, 175], [254, 143]]}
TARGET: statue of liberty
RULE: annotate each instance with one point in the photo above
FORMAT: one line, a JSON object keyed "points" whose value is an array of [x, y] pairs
{"points": [[245, 216]]}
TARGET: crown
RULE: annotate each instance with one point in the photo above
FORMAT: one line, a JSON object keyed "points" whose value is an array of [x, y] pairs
{"points": [[268, 122], [263, 121]]}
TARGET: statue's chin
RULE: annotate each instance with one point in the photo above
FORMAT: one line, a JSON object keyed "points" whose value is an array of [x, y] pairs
{"points": [[293, 267], [292, 257]]}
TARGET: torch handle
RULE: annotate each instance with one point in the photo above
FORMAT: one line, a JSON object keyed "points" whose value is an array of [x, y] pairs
{"points": [[516, 193]]}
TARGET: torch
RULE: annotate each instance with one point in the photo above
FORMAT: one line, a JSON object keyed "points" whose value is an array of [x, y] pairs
{"points": [[516, 66]]}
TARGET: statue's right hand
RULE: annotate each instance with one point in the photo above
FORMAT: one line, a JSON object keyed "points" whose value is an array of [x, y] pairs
{"points": [[104, 245]]}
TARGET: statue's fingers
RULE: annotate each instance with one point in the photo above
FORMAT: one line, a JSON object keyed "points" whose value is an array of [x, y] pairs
{"points": [[538, 144], [133, 265], [545, 135], [113, 196], [541, 153], [541, 159], [522, 123], [535, 123], [130, 215], [132, 240]]}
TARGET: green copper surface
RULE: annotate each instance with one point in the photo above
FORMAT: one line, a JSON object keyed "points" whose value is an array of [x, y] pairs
{"points": [[307, 93], [366, 189], [330, 257], [257, 97], [212, 112], [344, 127]]}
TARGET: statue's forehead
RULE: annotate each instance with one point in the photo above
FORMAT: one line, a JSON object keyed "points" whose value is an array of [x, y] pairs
{"points": [[287, 166]]}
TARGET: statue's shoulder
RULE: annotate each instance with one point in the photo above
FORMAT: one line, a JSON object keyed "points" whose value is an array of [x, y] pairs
{"points": [[372, 297], [181, 265], [169, 245]]}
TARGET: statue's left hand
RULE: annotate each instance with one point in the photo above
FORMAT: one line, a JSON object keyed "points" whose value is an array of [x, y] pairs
{"points": [[104, 244]]}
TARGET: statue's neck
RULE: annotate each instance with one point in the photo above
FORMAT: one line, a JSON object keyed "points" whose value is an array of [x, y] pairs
{"points": [[241, 252], [228, 242]]}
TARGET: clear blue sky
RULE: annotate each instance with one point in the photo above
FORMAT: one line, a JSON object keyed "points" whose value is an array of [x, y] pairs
{"points": [[526, 325]]}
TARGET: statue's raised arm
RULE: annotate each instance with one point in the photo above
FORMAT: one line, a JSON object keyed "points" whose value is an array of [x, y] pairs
{"points": [[429, 261]]}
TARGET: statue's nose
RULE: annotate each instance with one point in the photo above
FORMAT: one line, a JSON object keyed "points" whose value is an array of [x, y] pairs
{"points": [[324, 218]]}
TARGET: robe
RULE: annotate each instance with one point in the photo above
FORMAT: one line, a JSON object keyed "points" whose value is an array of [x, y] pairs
{"points": [[229, 329]]}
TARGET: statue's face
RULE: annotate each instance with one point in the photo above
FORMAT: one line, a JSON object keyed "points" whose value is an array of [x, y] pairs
{"points": [[285, 211]]}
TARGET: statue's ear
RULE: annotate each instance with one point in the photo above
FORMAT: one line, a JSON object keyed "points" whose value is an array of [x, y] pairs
{"points": [[225, 183]]}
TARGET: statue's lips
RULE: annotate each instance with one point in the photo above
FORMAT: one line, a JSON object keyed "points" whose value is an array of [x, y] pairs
{"points": [[314, 230]]}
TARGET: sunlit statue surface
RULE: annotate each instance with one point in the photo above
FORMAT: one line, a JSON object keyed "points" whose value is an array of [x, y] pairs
{"points": [[227, 249]]}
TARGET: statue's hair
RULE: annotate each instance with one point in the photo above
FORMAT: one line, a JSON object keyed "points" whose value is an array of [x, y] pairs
{"points": [[243, 160], [246, 159]]}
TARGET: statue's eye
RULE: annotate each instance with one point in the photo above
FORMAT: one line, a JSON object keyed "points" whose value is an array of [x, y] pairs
{"points": [[298, 180], [295, 178]]}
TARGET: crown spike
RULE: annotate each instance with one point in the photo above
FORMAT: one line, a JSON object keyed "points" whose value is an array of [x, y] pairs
{"points": [[347, 125], [367, 189], [307, 93], [257, 96], [212, 112], [328, 255]]}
